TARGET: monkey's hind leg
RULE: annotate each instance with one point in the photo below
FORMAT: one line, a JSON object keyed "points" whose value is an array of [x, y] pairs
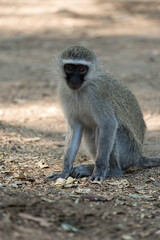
{"points": [[82, 170], [86, 170], [115, 169]]}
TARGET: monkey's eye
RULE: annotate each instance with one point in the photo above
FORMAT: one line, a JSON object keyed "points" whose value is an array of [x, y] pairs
{"points": [[69, 68], [82, 69]]}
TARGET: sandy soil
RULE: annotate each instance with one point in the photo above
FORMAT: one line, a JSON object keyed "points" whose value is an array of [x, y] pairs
{"points": [[126, 37]]}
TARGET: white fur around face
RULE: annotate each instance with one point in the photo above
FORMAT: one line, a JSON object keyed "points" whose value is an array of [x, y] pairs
{"points": [[71, 61]]}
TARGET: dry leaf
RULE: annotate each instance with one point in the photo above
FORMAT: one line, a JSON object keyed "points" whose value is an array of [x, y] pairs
{"points": [[69, 227], [42, 164], [70, 180], [149, 197], [65, 183], [126, 237], [19, 176], [47, 200], [158, 232], [40, 220], [69, 185], [35, 139], [18, 182], [13, 185], [96, 182], [60, 182], [121, 184], [81, 191], [94, 197], [7, 172]]}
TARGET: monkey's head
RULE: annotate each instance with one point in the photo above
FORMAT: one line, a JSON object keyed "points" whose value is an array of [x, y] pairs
{"points": [[76, 63]]}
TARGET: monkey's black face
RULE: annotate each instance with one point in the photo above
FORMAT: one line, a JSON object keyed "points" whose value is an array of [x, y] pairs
{"points": [[75, 74]]}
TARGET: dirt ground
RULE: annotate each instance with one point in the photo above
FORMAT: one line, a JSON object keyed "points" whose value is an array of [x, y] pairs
{"points": [[126, 36]]}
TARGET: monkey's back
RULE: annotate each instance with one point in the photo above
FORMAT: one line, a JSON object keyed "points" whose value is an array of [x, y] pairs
{"points": [[124, 105]]}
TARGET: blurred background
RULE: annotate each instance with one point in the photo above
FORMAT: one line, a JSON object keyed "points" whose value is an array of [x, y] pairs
{"points": [[125, 34]]}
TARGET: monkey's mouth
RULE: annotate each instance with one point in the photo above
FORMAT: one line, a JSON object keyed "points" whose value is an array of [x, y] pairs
{"points": [[74, 84]]}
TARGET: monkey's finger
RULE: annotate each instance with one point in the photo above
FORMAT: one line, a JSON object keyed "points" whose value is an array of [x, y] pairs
{"points": [[90, 178], [99, 178], [94, 178], [50, 176], [54, 176]]}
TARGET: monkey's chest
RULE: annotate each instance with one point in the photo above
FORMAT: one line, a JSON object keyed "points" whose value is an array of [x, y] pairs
{"points": [[82, 112]]}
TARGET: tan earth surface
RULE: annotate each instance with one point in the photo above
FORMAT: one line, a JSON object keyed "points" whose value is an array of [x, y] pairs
{"points": [[126, 36]]}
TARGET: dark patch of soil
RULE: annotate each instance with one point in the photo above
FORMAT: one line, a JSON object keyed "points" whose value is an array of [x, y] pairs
{"points": [[126, 36]]}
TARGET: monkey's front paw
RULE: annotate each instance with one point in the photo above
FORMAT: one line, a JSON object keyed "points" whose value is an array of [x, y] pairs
{"points": [[54, 176], [96, 177]]}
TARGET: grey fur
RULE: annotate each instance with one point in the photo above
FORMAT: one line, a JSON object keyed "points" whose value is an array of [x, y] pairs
{"points": [[78, 52], [109, 117]]}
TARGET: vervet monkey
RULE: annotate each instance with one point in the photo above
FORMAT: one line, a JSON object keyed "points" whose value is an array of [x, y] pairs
{"points": [[103, 110]]}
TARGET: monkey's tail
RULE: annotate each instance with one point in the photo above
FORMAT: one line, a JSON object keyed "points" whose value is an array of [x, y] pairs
{"points": [[146, 162]]}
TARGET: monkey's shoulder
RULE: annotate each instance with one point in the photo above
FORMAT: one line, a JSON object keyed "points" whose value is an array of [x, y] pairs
{"points": [[109, 85], [124, 105]]}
